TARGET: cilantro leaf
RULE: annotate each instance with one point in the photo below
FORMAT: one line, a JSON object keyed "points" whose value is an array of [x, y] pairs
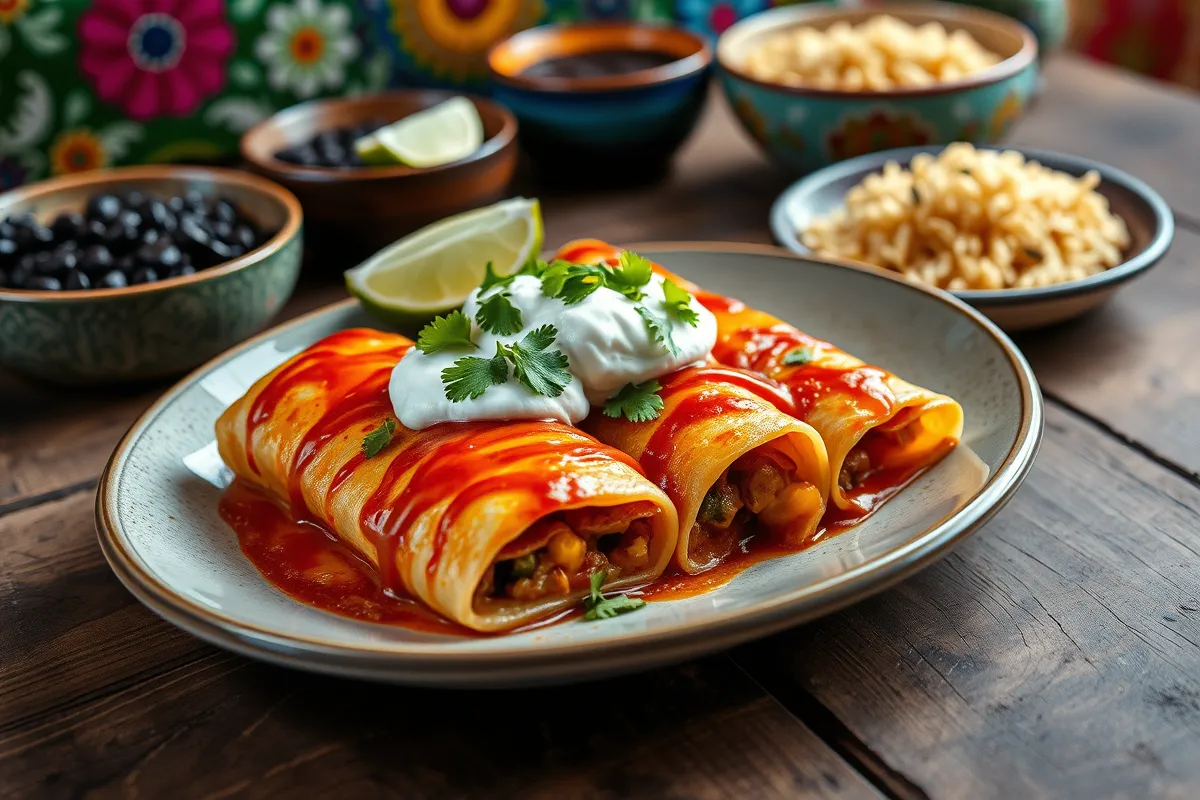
{"points": [[445, 333], [498, 315], [581, 280], [553, 277], [469, 377], [490, 279], [659, 327], [679, 304], [375, 441], [636, 402], [633, 273], [542, 371], [600, 607], [801, 355]]}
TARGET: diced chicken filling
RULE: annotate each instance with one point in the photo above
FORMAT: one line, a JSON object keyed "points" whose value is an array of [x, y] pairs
{"points": [[577, 543], [757, 488]]}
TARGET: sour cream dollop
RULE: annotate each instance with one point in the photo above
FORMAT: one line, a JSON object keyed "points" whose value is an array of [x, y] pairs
{"points": [[605, 339]]}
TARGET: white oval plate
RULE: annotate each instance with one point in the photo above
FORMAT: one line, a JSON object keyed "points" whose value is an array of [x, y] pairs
{"points": [[159, 527]]}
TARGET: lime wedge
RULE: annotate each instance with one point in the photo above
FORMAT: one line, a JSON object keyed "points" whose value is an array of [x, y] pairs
{"points": [[372, 152], [446, 132], [433, 270]]}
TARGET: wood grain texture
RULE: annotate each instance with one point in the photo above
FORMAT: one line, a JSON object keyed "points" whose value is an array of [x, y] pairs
{"points": [[1055, 654], [1144, 127], [56, 440], [97, 693], [1134, 364]]}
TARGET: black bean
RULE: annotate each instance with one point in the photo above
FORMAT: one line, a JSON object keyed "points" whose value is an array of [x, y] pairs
{"points": [[176, 204], [135, 199], [131, 218], [7, 229], [104, 208], [64, 260], [8, 250], [44, 283], [195, 200], [68, 226], [126, 264], [121, 237], [97, 258], [223, 230], [18, 276], [164, 218], [181, 270], [94, 232], [143, 275], [22, 221], [113, 280], [150, 235], [221, 250], [245, 236], [77, 280], [162, 253], [3, 278], [44, 263]]}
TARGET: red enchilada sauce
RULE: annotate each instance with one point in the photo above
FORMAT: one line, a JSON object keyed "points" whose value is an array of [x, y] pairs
{"points": [[302, 559]]}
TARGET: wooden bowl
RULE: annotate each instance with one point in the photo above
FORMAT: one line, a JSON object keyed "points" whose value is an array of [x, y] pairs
{"points": [[805, 128], [157, 329], [365, 208], [1146, 214], [605, 128]]}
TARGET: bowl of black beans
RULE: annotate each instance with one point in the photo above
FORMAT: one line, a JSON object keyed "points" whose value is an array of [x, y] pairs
{"points": [[142, 272], [357, 207]]}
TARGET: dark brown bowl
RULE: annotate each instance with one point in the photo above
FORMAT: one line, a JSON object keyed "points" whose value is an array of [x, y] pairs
{"points": [[365, 208]]}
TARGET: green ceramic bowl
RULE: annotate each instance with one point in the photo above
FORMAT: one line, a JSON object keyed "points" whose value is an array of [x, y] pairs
{"points": [[804, 128], [157, 329]]}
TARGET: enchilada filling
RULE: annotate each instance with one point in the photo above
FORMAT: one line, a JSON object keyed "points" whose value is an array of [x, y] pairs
{"points": [[557, 555], [757, 496], [891, 453]]}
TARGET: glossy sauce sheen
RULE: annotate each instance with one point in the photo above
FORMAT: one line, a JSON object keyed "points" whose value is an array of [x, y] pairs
{"points": [[308, 563], [598, 65]]}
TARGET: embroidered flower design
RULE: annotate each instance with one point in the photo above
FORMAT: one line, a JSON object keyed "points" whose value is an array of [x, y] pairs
{"points": [[77, 150], [876, 131], [155, 57], [307, 46], [10, 10]]}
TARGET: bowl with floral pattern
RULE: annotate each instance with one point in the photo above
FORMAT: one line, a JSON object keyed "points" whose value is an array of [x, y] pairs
{"points": [[805, 128], [150, 330]]}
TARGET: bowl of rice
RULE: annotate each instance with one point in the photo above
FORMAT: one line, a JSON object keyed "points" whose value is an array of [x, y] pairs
{"points": [[1029, 237], [817, 84]]}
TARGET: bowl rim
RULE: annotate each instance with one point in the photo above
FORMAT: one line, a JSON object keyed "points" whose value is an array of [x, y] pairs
{"points": [[295, 172], [111, 177], [1164, 230], [689, 65], [787, 16]]}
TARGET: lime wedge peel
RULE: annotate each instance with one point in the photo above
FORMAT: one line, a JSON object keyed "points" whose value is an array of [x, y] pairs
{"points": [[433, 270], [447, 132]]}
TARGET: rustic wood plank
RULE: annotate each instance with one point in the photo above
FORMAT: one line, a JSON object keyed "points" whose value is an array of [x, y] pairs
{"points": [[1055, 654], [1134, 364], [98, 694], [55, 440], [1142, 126]]}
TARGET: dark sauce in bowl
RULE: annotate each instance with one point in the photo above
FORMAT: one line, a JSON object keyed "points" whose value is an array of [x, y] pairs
{"points": [[601, 64]]}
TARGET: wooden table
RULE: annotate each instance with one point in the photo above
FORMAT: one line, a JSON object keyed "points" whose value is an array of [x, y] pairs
{"points": [[1055, 653]]}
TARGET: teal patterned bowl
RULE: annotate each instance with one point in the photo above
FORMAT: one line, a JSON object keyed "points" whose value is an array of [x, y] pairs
{"points": [[806, 128], [157, 329]]}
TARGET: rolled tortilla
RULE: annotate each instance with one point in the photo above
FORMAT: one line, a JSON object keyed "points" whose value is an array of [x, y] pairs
{"points": [[740, 468], [879, 430], [493, 525]]}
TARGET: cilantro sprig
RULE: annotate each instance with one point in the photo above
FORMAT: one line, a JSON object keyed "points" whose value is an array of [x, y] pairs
{"points": [[446, 333], [498, 315], [679, 304], [660, 327], [798, 356], [636, 402], [600, 607], [539, 369], [377, 440]]}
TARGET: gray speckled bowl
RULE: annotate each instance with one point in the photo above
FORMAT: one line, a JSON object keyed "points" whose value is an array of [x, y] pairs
{"points": [[161, 531], [156, 329], [1147, 215]]}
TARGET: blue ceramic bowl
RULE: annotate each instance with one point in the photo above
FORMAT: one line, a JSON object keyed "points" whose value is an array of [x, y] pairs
{"points": [[806, 128], [1146, 214], [603, 127]]}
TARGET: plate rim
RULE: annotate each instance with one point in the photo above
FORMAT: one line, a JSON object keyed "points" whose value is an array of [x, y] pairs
{"points": [[1164, 233], [722, 629]]}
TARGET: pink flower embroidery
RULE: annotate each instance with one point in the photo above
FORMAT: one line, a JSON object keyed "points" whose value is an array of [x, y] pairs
{"points": [[155, 57]]}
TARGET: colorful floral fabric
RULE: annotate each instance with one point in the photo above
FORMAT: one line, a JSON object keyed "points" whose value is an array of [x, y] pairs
{"points": [[1160, 38], [94, 83]]}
